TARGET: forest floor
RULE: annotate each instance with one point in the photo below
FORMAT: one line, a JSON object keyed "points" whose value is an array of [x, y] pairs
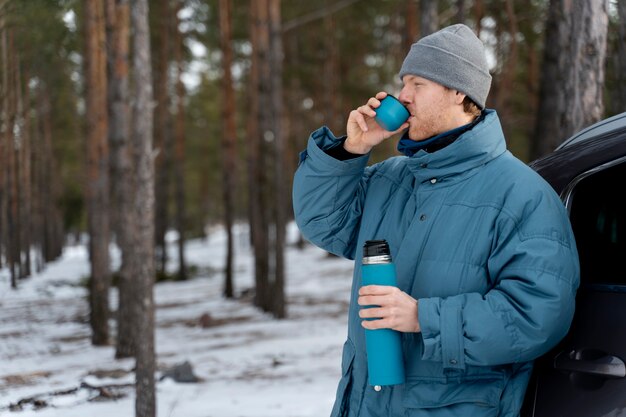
{"points": [[248, 364]]}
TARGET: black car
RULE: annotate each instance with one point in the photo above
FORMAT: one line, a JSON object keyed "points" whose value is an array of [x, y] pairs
{"points": [[585, 375]]}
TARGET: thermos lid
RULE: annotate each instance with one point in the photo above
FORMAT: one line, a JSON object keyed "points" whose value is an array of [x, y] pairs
{"points": [[376, 248]]}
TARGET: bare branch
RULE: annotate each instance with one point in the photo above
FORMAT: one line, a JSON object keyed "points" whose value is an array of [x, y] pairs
{"points": [[318, 14]]}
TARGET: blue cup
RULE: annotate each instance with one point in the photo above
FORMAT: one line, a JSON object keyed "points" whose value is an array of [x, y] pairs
{"points": [[391, 113]]}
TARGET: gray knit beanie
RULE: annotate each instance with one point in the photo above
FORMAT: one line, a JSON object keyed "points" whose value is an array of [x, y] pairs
{"points": [[453, 57]]}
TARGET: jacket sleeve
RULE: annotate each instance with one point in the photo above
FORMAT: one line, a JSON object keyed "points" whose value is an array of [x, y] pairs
{"points": [[535, 271], [328, 195]]}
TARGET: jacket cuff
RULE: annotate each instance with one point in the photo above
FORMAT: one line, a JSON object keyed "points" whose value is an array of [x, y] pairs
{"points": [[323, 139], [441, 323]]}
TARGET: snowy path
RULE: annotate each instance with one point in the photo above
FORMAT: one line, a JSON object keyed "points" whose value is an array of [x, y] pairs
{"points": [[250, 364]]}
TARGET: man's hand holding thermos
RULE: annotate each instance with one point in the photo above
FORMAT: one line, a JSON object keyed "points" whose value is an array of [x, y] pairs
{"points": [[387, 311]]}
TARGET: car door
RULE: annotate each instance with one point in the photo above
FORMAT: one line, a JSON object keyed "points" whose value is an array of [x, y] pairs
{"points": [[585, 375]]}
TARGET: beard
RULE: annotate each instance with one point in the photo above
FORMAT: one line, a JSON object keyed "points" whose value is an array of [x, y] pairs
{"points": [[423, 129]]}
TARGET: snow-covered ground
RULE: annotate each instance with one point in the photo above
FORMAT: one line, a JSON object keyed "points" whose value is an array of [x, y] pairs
{"points": [[249, 363]]}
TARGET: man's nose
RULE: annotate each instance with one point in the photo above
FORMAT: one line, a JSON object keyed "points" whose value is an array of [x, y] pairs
{"points": [[403, 97]]}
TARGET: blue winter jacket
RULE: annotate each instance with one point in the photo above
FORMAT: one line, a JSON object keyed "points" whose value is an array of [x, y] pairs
{"points": [[479, 239]]}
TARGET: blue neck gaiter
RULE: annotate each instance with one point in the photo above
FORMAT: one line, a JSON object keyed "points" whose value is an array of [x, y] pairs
{"points": [[410, 147]]}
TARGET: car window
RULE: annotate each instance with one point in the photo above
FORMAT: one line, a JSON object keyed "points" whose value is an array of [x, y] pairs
{"points": [[598, 216]]}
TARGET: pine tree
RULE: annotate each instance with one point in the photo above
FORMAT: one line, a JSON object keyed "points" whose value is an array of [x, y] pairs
{"points": [[142, 264], [97, 168], [572, 76]]}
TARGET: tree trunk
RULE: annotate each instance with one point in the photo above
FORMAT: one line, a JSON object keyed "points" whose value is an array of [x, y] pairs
{"points": [[52, 234], [23, 174], [294, 128], [97, 168], [412, 25], [142, 264], [479, 13], [262, 245], [162, 136], [620, 102], [507, 57], [460, 11], [118, 29], [6, 154], [42, 192], [179, 150], [260, 133], [278, 307], [252, 121], [11, 167], [332, 116], [429, 17], [3, 119], [28, 180], [229, 140], [572, 72]]}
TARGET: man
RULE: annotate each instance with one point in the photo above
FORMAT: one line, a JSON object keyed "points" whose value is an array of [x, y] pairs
{"points": [[486, 262]]}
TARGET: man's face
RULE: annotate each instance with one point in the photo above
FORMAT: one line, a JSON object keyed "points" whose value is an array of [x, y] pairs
{"points": [[432, 107]]}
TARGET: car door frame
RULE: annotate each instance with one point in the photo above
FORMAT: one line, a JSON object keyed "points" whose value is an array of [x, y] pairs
{"points": [[593, 150]]}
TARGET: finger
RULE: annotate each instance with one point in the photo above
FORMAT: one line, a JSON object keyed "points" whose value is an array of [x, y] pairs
{"points": [[381, 95], [372, 313], [405, 125], [373, 102], [376, 290], [360, 121], [387, 134], [367, 110], [375, 324], [374, 300]]}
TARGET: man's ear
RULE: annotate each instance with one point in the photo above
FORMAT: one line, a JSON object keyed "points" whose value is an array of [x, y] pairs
{"points": [[459, 97]]}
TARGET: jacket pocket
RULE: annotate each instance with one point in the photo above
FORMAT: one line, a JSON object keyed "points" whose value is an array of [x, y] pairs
{"points": [[345, 383], [477, 392]]}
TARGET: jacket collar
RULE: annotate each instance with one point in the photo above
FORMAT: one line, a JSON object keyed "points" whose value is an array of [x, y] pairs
{"points": [[410, 147], [475, 147]]}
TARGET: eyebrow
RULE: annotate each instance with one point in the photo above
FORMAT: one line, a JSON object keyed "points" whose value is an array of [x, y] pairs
{"points": [[414, 79]]}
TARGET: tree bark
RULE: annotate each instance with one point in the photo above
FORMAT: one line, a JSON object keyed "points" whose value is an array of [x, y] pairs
{"points": [[332, 116], [179, 148], [229, 141], [429, 17], [3, 119], [572, 72], [479, 13], [295, 129], [42, 164], [412, 25], [162, 135], [460, 11], [38, 192], [23, 157], [260, 80], [27, 238], [507, 51], [11, 166], [5, 154], [142, 265], [252, 122], [98, 168], [620, 105], [118, 29], [52, 239], [278, 304]]}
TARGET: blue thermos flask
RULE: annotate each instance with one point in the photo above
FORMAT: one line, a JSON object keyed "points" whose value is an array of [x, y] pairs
{"points": [[384, 349]]}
